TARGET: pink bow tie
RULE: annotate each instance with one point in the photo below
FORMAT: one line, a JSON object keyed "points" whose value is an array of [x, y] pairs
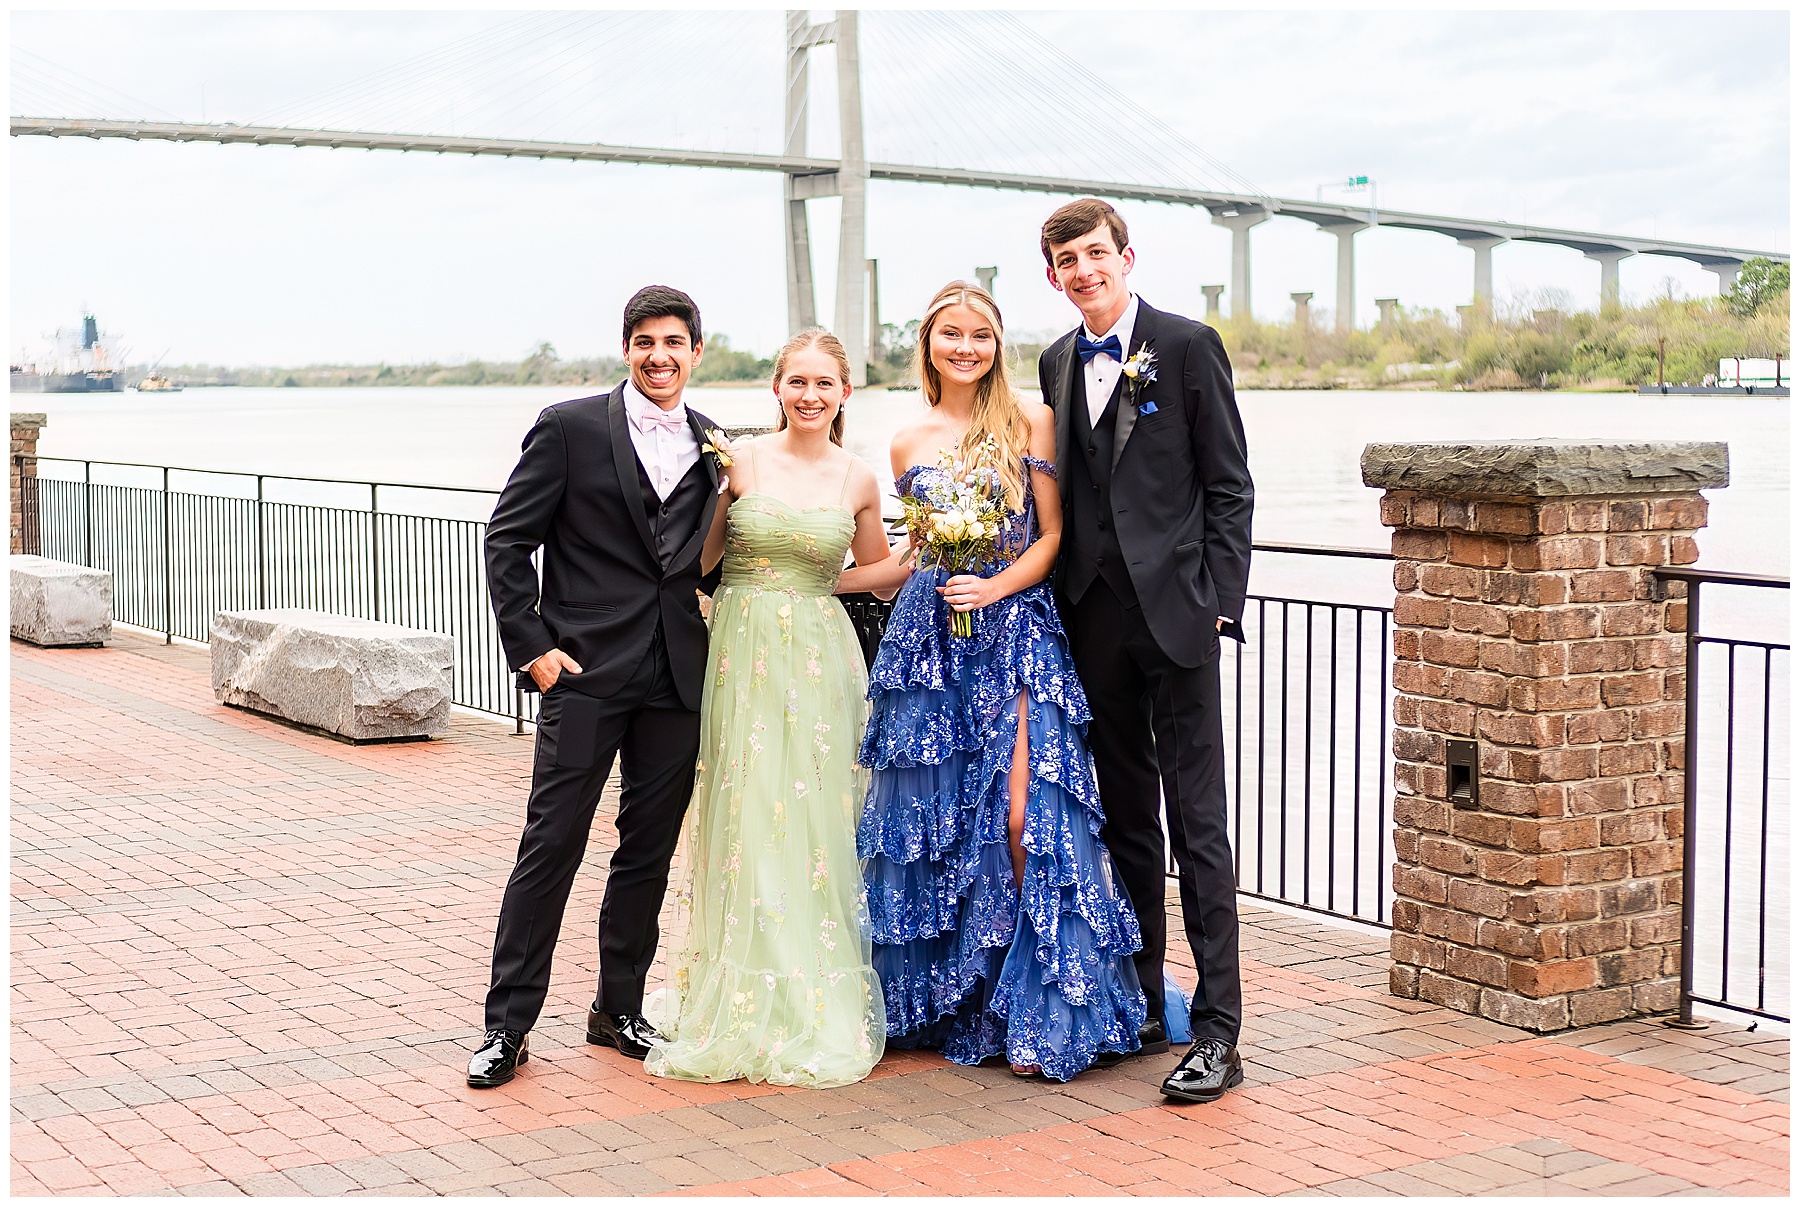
{"points": [[651, 417]]}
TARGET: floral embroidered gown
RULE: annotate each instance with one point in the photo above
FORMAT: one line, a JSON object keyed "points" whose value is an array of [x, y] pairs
{"points": [[773, 981], [969, 963]]}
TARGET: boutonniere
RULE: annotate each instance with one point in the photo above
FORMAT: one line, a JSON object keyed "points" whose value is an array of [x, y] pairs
{"points": [[719, 445], [1140, 370]]}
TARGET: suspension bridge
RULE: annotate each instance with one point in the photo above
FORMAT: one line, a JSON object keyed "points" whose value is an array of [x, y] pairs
{"points": [[541, 85]]}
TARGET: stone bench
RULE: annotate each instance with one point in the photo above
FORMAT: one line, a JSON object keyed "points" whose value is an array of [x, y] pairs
{"points": [[59, 603], [359, 679]]}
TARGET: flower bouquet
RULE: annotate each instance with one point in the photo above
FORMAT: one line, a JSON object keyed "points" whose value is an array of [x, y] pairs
{"points": [[957, 524]]}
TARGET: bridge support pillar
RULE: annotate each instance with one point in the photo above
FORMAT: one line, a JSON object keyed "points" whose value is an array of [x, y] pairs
{"points": [[1302, 309], [1212, 293], [1483, 247], [1727, 274], [802, 307], [1539, 728], [875, 343], [1345, 318], [853, 188], [1609, 273], [1387, 306], [984, 277], [1239, 222]]}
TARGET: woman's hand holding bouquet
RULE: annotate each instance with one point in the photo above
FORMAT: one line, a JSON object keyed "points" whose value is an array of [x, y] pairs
{"points": [[957, 527]]}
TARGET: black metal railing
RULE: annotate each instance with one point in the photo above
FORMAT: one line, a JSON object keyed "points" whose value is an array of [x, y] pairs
{"points": [[1307, 701], [1735, 911], [177, 557]]}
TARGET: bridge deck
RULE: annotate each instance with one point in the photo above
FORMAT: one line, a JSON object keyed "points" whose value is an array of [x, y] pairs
{"points": [[1325, 214]]}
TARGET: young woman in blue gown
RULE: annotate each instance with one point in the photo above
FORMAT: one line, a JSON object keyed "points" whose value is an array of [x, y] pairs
{"points": [[997, 922]]}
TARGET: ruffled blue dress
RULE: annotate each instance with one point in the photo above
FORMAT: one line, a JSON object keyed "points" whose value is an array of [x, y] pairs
{"points": [[969, 963]]}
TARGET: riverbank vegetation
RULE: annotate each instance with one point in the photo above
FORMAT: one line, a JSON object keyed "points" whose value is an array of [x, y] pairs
{"points": [[1535, 342], [541, 367]]}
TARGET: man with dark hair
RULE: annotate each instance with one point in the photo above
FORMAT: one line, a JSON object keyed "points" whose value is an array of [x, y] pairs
{"points": [[1153, 566], [616, 493]]}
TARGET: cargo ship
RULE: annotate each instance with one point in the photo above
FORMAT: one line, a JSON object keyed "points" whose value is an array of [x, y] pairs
{"points": [[81, 365]]}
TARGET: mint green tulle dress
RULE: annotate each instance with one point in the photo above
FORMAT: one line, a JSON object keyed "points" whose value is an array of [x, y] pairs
{"points": [[773, 981]]}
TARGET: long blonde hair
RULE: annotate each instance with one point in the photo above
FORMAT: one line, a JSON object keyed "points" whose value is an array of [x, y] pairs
{"points": [[996, 412], [833, 347]]}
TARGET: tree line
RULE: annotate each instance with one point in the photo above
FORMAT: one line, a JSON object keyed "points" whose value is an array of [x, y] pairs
{"points": [[1537, 341], [542, 366]]}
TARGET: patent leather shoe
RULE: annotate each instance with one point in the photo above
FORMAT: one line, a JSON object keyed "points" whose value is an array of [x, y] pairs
{"points": [[631, 1034], [498, 1058], [1153, 1040], [1210, 1068]]}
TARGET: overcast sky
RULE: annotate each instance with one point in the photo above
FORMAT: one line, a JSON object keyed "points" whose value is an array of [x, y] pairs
{"points": [[1666, 123]]}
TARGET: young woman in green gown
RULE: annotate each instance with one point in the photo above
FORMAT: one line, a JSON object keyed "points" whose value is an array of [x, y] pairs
{"points": [[773, 981]]}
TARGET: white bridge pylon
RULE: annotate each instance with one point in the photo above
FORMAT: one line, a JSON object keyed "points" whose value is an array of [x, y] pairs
{"points": [[555, 74]]}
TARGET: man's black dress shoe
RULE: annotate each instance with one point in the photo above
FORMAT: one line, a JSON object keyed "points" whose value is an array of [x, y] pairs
{"points": [[498, 1058], [1210, 1068], [1153, 1040], [631, 1034]]}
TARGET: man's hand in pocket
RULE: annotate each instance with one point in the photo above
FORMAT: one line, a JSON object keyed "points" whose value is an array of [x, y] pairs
{"points": [[549, 668]]}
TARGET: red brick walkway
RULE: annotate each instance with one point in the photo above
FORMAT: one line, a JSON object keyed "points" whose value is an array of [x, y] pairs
{"points": [[250, 959]]}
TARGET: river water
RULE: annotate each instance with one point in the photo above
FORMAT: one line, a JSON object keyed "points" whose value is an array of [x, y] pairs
{"points": [[1304, 449]]}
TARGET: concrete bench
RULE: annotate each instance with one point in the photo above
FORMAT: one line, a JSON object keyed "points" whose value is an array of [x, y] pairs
{"points": [[59, 603], [359, 679]]}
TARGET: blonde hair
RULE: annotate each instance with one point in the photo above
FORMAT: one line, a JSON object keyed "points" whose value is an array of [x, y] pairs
{"points": [[996, 412], [827, 343]]}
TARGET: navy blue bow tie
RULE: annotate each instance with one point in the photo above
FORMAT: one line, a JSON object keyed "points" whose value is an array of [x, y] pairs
{"points": [[1089, 349]]}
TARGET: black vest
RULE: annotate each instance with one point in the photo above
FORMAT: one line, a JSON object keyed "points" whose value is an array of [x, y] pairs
{"points": [[1089, 531], [672, 520]]}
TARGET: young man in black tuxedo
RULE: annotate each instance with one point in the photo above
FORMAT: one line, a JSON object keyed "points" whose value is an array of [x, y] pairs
{"points": [[618, 493], [1154, 561]]}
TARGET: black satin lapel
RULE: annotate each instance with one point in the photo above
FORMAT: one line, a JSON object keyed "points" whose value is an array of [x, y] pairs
{"points": [[625, 462], [1064, 382], [703, 432], [1143, 334], [1123, 421]]}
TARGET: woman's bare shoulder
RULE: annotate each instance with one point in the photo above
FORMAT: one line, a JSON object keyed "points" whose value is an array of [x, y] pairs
{"points": [[1037, 414]]}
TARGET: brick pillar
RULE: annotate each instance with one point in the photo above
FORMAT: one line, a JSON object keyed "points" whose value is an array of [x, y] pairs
{"points": [[1545, 889], [25, 428]]}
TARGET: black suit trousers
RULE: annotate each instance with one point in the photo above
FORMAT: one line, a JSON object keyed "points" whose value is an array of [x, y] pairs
{"points": [[656, 741], [1156, 737]]}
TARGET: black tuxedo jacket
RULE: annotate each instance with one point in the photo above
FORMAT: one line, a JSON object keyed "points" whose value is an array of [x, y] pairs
{"points": [[1181, 492], [576, 494]]}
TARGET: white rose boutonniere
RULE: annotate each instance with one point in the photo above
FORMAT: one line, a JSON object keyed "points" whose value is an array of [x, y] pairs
{"points": [[1140, 370]]}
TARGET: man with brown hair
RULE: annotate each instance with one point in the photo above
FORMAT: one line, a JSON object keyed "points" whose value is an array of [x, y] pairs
{"points": [[1153, 567], [613, 496]]}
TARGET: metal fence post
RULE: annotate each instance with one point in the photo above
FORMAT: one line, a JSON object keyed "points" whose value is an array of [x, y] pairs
{"points": [[168, 568], [375, 550], [262, 588], [87, 513], [1690, 814]]}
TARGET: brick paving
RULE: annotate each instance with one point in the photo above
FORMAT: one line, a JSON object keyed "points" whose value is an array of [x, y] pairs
{"points": [[248, 959]]}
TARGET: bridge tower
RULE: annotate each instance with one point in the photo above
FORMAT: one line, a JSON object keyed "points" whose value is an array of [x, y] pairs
{"points": [[850, 182]]}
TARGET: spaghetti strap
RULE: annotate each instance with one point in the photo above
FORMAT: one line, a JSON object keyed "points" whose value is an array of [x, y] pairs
{"points": [[755, 474], [845, 484]]}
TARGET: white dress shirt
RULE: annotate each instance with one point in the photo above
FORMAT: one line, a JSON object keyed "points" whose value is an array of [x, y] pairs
{"points": [[665, 442], [1102, 372]]}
